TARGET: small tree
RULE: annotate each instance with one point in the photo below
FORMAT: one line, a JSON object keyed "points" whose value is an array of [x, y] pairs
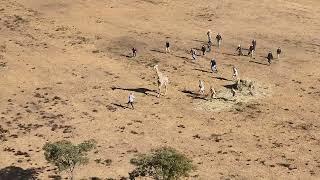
{"points": [[67, 156], [162, 164]]}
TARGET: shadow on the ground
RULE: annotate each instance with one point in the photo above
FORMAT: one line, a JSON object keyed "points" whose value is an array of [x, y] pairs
{"points": [[231, 86], [221, 78], [259, 63], [138, 90], [201, 70], [193, 95], [17, 173], [183, 57], [158, 51], [126, 55], [119, 105]]}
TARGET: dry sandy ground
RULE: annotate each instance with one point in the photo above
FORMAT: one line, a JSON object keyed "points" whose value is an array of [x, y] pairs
{"points": [[65, 74]]}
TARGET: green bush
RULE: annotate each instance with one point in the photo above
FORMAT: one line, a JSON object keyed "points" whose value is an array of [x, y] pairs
{"points": [[67, 156], [162, 164]]}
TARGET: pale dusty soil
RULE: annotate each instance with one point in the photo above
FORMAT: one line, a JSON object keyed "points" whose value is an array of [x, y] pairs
{"points": [[65, 74]]}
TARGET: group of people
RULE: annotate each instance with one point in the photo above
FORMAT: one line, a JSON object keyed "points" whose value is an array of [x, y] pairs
{"points": [[213, 63]]}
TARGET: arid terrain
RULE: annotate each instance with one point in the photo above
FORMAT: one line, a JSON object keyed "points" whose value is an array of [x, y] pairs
{"points": [[66, 72]]}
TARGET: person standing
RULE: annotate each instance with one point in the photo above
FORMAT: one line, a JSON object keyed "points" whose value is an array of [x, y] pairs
{"points": [[203, 49], [251, 51], [254, 44], [219, 39], [270, 57], [209, 35], [239, 49], [235, 73], [278, 52], [167, 47], [193, 53], [131, 99], [134, 52], [201, 87], [212, 92], [209, 46], [213, 64]]}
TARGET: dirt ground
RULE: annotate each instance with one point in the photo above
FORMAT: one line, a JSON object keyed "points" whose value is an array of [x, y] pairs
{"points": [[66, 72]]}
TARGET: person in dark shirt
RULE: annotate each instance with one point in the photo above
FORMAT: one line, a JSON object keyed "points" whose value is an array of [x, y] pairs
{"points": [[134, 52], [203, 49], [219, 39], [269, 57], [254, 44], [167, 47], [209, 35], [213, 64], [251, 51], [278, 52]]}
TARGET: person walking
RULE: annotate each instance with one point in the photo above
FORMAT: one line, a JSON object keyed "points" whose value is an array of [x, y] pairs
{"points": [[219, 39], [209, 35], [239, 49], [131, 99], [203, 49], [251, 51], [193, 54], [201, 87], [235, 73], [270, 57], [212, 93], [254, 44], [278, 52], [134, 52], [213, 65], [167, 47], [209, 46]]}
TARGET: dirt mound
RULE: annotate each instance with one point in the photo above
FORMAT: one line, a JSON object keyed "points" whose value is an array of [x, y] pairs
{"points": [[242, 91]]}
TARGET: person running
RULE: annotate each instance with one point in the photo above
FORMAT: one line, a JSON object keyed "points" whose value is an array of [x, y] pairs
{"points": [[203, 49], [278, 52], [239, 49], [209, 35], [270, 57], [134, 52], [254, 44], [167, 47], [213, 64], [193, 53], [219, 39], [201, 87], [131, 99], [251, 51]]}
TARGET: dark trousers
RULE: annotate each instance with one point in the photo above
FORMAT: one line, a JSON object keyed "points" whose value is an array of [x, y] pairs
{"points": [[131, 103]]}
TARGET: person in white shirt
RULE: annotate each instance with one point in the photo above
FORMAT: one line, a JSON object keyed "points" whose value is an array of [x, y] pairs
{"points": [[131, 99], [201, 87], [235, 73]]}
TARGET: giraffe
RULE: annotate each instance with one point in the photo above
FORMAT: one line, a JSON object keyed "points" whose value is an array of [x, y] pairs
{"points": [[163, 80]]}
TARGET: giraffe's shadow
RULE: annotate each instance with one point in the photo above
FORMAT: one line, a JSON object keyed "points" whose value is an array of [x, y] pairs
{"points": [[193, 95], [145, 91]]}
